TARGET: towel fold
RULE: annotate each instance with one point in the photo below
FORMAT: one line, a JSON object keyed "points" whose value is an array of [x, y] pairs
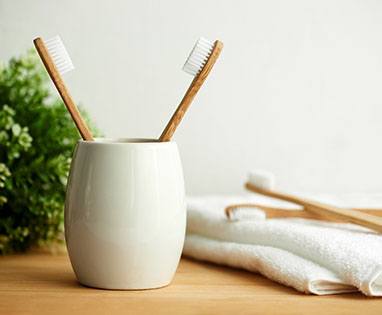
{"points": [[311, 256]]}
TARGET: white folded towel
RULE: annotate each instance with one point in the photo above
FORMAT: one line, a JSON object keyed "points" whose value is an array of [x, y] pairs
{"points": [[311, 256]]}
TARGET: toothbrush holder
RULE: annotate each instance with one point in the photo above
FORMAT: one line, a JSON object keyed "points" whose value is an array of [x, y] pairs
{"points": [[125, 213]]}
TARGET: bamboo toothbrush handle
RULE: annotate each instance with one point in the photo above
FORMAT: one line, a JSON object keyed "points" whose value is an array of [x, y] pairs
{"points": [[62, 90], [190, 94], [347, 215]]}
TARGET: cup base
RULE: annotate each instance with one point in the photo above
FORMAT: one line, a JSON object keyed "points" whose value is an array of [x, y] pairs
{"points": [[125, 288]]}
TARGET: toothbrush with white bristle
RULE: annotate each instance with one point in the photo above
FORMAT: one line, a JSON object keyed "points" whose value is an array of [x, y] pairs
{"points": [[57, 62], [262, 182], [199, 64]]}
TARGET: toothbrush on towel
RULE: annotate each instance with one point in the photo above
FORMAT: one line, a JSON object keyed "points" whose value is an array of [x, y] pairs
{"points": [[199, 64], [262, 183], [277, 212], [57, 62], [313, 257]]}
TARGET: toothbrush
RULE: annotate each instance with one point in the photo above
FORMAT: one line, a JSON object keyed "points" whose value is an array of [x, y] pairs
{"points": [[57, 62], [199, 64], [262, 183], [273, 212]]}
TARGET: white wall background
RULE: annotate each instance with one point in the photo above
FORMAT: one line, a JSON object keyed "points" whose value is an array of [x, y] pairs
{"points": [[297, 89]]}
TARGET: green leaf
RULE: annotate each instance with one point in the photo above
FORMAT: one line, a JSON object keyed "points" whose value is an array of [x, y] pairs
{"points": [[37, 138], [16, 129]]}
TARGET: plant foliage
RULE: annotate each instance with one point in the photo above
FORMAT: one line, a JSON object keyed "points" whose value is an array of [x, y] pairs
{"points": [[37, 138]]}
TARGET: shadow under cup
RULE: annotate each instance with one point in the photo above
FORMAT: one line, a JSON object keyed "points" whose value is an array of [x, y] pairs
{"points": [[125, 213]]}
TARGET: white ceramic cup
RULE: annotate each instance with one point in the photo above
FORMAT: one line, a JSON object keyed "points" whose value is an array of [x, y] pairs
{"points": [[125, 213]]}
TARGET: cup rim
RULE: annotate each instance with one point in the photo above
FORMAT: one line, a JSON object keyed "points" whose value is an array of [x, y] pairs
{"points": [[124, 141]]}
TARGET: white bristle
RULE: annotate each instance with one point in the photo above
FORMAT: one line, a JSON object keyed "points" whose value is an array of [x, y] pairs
{"points": [[198, 56], [60, 56], [262, 179], [247, 214]]}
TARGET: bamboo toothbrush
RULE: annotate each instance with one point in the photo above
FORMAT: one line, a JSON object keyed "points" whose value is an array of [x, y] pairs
{"points": [[261, 182], [199, 64], [57, 62], [274, 212]]}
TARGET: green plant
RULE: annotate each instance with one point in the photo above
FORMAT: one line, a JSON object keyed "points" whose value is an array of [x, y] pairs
{"points": [[37, 138]]}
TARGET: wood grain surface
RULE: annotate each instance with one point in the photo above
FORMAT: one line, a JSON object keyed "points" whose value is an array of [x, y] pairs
{"points": [[45, 284]]}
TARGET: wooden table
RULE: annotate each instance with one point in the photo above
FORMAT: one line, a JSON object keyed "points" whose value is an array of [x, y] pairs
{"points": [[45, 284]]}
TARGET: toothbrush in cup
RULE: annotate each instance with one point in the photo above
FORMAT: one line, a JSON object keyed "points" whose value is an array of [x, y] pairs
{"points": [[57, 62], [199, 64]]}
